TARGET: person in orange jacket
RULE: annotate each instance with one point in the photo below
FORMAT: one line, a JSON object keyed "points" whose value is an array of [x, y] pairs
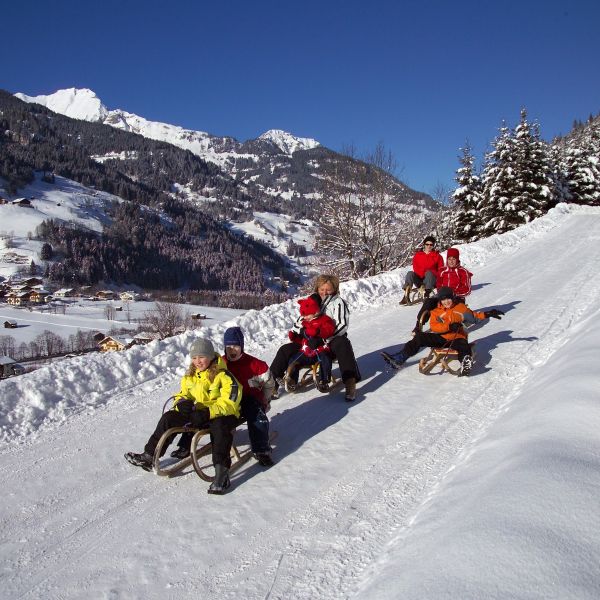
{"points": [[426, 264], [447, 323], [454, 276]]}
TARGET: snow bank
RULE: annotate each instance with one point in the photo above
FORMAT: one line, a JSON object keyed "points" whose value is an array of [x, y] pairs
{"points": [[50, 394]]}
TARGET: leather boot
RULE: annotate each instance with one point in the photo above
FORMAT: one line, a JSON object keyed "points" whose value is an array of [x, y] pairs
{"points": [[350, 389], [221, 482]]}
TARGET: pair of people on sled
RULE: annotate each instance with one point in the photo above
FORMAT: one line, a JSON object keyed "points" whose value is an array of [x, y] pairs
{"points": [[447, 322], [333, 306], [215, 391]]}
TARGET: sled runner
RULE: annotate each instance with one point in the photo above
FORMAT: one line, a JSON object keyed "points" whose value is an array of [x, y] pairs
{"points": [[414, 296], [306, 375], [200, 454], [443, 357]]}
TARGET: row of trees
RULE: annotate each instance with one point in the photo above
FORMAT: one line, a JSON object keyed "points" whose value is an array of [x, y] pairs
{"points": [[522, 177]]}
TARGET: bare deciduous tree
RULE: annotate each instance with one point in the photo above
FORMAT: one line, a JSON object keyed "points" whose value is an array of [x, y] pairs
{"points": [[167, 319], [364, 226]]}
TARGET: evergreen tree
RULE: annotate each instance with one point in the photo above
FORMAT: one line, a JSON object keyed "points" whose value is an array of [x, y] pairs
{"points": [[518, 183], [463, 219]]}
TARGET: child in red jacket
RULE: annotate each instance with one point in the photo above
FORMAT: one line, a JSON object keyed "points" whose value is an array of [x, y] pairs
{"points": [[316, 329]]}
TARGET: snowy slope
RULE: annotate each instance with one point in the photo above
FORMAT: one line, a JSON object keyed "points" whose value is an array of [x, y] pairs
{"points": [[426, 487]]}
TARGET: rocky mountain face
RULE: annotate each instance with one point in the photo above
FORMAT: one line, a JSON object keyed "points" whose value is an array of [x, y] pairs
{"points": [[264, 192], [275, 166]]}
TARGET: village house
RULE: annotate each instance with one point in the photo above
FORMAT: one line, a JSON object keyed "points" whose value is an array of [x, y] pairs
{"points": [[22, 202], [39, 296], [9, 367], [64, 293], [105, 295], [10, 324], [114, 344], [18, 298], [125, 296]]}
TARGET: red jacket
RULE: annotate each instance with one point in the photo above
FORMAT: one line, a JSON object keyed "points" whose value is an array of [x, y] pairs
{"points": [[458, 278], [323, 326], [427, 261], [252, 373]]}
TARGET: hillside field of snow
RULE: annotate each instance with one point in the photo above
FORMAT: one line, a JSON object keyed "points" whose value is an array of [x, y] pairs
{"points": [[425, 487]]}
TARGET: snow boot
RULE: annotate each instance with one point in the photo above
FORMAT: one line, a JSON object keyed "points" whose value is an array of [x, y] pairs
{"points": [[466, 366], [395, 360], [143, 460], [221, 482], [350, 394], [406, 299], [181, 453], [264, 459], [323, 387]]}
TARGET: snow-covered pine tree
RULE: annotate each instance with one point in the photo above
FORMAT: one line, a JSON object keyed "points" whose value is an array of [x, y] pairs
{"points": [[582, 160], [518, 183], [497, 184], [462, 219]]}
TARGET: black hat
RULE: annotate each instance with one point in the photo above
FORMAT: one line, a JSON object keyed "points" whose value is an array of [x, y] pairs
{"points": [[429, 238], [444, 293]]}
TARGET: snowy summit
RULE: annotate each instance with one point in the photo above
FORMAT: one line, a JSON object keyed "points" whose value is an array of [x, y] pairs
{"points": [[288, 143]]}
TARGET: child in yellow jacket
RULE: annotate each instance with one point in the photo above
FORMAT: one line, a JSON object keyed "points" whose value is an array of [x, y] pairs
{"points": [[209, 398], [446, 321]]}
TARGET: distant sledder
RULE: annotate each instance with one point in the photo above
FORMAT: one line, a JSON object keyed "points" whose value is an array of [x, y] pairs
{"points": [[447, 336]]}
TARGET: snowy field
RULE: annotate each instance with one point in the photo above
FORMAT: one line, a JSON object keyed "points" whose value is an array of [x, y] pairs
{"points": [[426, 487], [86, 315]]}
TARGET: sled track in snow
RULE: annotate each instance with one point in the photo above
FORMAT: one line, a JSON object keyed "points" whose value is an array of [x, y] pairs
{"points": [[350, 524]]}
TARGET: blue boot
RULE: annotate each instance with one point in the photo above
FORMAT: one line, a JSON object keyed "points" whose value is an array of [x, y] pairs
{"points": [[395, 360]]}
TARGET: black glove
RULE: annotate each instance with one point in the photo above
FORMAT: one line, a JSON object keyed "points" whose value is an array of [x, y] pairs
{"points": [[185, 407], [200, 417], [315, 342], [455, 327], [494, 313]]}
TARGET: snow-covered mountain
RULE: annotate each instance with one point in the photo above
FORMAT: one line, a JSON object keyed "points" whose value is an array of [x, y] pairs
{"points": [[426, 487], [277, 163], [85, 104]]}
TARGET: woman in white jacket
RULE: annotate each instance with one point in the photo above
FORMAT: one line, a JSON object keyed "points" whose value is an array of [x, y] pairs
{"points": [[327, 288]]}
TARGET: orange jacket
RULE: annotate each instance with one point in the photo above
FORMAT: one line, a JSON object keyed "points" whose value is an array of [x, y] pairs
{"points": [[441, 318]]}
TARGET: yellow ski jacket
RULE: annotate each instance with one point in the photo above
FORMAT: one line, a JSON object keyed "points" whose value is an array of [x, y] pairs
{"points": [[222, 395]]}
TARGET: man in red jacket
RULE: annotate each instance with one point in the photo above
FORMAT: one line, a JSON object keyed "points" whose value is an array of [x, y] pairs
{"points": [[427, 264]]}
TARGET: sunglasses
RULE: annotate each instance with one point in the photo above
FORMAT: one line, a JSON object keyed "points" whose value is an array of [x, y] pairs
{"points": [[429, 244]]}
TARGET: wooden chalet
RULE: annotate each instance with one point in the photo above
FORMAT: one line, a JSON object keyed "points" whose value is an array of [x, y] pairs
{"points": [[114, 344]]}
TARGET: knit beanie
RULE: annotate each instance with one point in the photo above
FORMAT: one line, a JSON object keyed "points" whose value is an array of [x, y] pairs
{"points": [[202, 347], [233, 336], [308, 306], [453, 252], [444, 293]]}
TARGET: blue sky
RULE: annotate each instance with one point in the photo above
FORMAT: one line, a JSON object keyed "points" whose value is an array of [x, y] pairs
{"points": [[420, 76]]}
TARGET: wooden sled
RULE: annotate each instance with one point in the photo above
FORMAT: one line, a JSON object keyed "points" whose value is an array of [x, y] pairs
{"points": [[200, 454], [306, 375], [415, 295], [442, 357]]}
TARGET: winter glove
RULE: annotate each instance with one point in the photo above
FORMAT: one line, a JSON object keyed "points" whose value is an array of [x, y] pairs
{"points": [[185, 407], [322, 349], [455, 327], [200, 417], [494, 313], [294, 337]]}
